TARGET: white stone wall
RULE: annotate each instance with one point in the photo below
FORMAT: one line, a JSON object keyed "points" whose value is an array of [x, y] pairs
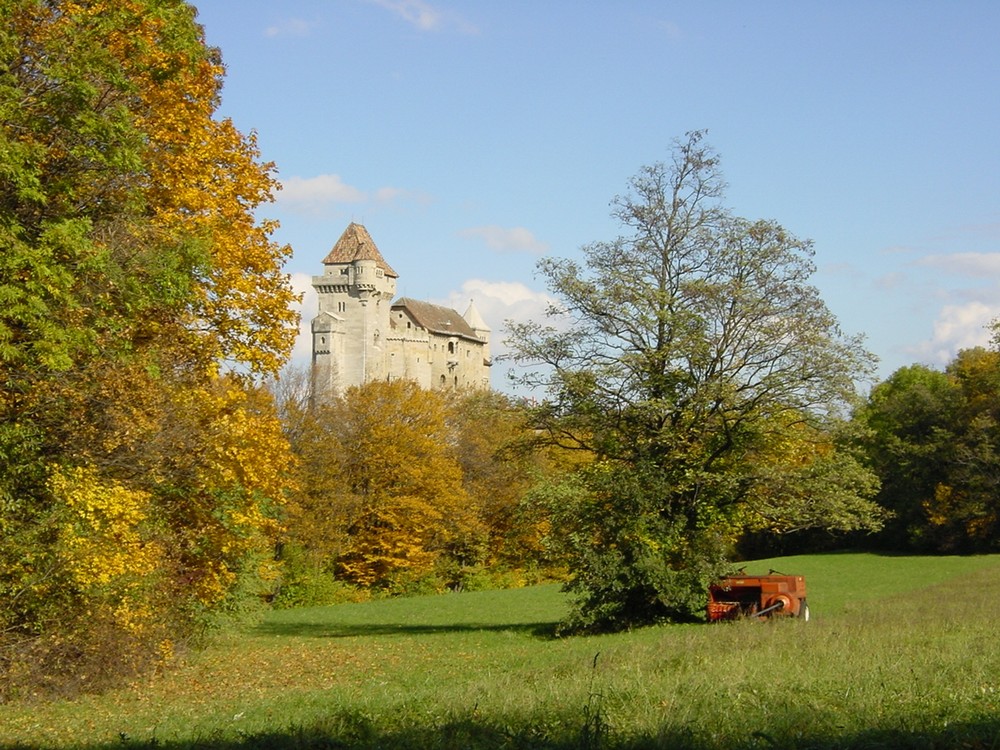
{"points": [[358, 338], [354, 301]]}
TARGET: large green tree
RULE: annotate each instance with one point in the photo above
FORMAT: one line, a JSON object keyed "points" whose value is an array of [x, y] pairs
{"points": [[910, 422], [693, 359], [933, 437]]}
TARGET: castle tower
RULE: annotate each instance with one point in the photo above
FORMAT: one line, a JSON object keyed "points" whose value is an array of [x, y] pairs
{"points": [[355, 293], [482, 331]]}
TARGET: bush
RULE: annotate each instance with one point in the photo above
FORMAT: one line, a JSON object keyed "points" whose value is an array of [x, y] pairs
{"points": [[306, 582]]}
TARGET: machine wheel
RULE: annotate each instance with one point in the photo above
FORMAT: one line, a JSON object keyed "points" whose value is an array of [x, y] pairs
{"points": [[804, 611]]}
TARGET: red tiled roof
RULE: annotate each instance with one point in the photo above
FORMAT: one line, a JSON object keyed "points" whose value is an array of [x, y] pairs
{"points": [[436, 319], [356, 244]]}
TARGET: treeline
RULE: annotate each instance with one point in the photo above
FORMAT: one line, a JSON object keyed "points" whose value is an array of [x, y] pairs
{"points": [[933, 438], [399, 490]]}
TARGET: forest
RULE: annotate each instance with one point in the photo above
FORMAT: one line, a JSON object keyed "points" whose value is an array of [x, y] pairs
{"points": [[163, 472]]}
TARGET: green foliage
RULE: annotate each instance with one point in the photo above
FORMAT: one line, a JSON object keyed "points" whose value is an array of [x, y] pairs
{"points": [[307, 580], [495, 447], [933, 440], [635, 562], [695, 363]]}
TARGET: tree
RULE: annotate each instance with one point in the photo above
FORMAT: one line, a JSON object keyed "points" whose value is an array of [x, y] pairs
{"points": [[911, 431], [393, 501], [500, 461], [684, 354], [933, 440], [965, 514], [133, 273]]}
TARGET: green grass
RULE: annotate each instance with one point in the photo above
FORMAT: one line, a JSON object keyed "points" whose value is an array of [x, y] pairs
{"points": [[901, 652]]}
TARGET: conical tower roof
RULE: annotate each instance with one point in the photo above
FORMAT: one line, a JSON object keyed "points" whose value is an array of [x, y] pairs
{"points": [[474, 319], [356, 244]]}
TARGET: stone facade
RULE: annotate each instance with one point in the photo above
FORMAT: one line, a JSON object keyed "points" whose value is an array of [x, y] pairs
{"points": [[360, 334]]}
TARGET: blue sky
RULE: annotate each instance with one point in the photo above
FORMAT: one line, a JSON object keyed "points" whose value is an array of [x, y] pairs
{"points": [[471, 138]]}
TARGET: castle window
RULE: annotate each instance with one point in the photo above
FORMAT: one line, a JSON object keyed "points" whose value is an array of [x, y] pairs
{"points": [[443, 381], [341, 307], [451, 347]]}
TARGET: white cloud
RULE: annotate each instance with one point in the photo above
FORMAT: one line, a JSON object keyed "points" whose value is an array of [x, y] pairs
{"points": [[317, 195], [964, 264], [957, 327], [507, 240], [290, 27], [426, 17], [324, 188], [302, 284], [499, 302]]}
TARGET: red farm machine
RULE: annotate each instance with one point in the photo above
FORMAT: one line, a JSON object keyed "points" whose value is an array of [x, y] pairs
{"points": [[741, 595]]}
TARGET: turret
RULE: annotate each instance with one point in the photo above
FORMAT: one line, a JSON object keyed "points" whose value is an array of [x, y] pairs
{"points": [[477, 324], [354, 294]]}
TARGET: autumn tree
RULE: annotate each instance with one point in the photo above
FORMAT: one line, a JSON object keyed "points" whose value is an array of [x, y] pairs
{"points": [[501, 460], [694, 361], [397, 488], [133, 272], [318, 510], [388, 503]]}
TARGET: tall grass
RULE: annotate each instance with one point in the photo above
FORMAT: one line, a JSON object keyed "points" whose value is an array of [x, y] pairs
{"points": [[901, 652]]}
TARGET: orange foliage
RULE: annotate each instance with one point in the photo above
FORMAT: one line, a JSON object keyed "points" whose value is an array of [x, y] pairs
{"points": [[394, 459]]}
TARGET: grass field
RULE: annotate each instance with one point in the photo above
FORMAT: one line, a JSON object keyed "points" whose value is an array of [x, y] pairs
{"points": [[900, 652]]}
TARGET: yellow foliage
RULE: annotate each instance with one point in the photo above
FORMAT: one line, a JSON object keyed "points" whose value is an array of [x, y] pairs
{"points": [[394, 457], [394, 535], [237, 482], [205, 179], [199, 179], [103, 538], [105, 544]]}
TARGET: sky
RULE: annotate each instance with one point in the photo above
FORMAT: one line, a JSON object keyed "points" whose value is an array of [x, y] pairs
{"points": [[471, 138]]}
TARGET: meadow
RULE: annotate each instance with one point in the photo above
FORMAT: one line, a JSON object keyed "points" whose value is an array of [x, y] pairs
{"points": [[901, 652]]}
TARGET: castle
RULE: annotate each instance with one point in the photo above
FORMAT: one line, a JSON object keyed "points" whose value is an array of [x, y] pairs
{"points": [[360, 334]]}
